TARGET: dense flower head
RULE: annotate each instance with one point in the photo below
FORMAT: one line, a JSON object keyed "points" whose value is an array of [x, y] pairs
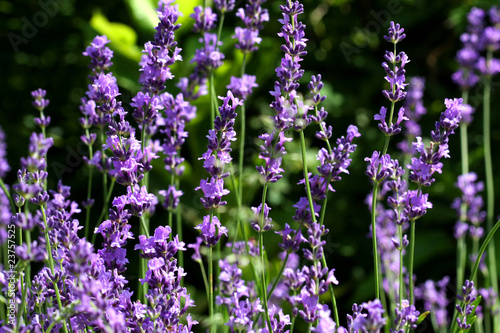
{"points": [[104, 91], [224, 6], [291, 238], [208, 57], [204, 19], [146, 107], [261, 220], [242, 87], [465, 308], [272, 155], [368, 317], [395, 33], [39, 102], [38, 148], [4, 165], [253, 15], [246, 39], [380, 167], [211, 230], [416, 204], [433, 294], [100, 55], [393, 128], [406, 317], [470, 188]]}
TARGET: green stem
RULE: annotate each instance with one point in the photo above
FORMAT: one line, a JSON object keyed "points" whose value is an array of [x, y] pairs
{"points": [[51, 264], [242, 140], [7, 194], [374, 240], [411, 255], [89, 189], [306, 176], [179, 229], [211, 286], [262, 261], [490, 190]]}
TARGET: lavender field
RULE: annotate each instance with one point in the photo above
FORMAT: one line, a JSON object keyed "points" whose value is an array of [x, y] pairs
{"points": [[249, 166]]}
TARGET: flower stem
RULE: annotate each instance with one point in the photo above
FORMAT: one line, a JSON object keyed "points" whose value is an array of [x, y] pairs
{"points": [[7, 194], [179, 228], [89, 189], [475, 267], [211, 287], [51, 264], [262, 261], [411, 255], [374, 240], [490, 192]]}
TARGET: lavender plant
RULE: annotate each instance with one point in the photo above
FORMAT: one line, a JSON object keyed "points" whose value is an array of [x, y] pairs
{"points": [[54, 279]]}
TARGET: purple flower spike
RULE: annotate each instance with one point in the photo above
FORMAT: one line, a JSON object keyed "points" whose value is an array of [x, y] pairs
{"points": [[291, 239], [4, 165], [256, 223], [211, 230], [100, 55], [213, 191], [370, 317], [39, 102], [416, 204], [396, 33], [380, 167], [224, 6], [204, 19], [242, 87]]}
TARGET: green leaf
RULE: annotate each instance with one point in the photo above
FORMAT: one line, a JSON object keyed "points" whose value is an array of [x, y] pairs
{"points": [[123, 38], [422, 317]]}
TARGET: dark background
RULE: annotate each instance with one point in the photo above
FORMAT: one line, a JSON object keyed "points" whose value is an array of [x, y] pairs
{"points": [[50, 57]]}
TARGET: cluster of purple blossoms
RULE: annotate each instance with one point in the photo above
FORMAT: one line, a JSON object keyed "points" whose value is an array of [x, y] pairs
{"points": [[4, 165], [396, 78], [367, 317], [423, 167], [406, 317], [162, 52], [207, 58], [477, 39], [100, 56], [215, 158], [469, 207], [433, 294], [167, 300], [239, 296], [466, 307]]}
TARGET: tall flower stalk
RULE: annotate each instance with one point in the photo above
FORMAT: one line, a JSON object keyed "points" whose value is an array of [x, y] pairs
{"points": [[382, 162]]}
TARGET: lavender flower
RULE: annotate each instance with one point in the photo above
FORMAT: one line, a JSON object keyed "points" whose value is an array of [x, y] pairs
{"points": [[224, 6], [162, 52], [422, 168], [100, 56], [368, 317], [465, 308], [406, 317], [211, 230], [4, 165]]}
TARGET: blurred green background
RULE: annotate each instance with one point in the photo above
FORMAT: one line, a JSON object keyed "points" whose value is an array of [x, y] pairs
{"points": [[42, 45]]}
